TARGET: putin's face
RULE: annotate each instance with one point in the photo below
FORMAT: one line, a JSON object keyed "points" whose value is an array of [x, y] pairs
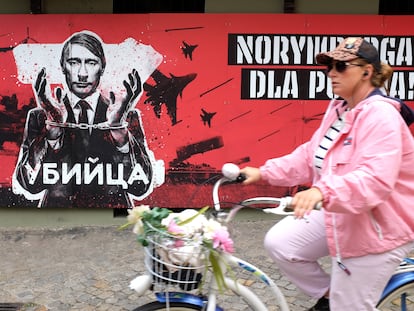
{"points": [[82, 70]]}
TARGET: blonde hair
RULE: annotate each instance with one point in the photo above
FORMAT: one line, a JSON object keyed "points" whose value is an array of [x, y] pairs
{"points": [[382, 78]]}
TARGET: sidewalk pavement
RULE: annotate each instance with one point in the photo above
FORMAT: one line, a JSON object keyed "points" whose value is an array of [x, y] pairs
{"points": [[89, 268]]}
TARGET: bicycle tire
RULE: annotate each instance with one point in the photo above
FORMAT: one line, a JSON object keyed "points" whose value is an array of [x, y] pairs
{"points": [[161, 306], [392, 302]]}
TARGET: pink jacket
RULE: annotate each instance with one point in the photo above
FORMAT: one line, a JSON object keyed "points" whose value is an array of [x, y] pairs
{"points": [[367, 178]]}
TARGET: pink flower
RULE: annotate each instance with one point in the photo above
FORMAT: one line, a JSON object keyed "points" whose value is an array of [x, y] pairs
{"points": [[175, 229], [178, 243], [222, 240]]}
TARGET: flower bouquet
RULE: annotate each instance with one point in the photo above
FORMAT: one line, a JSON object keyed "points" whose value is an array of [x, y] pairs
{"points": [[180, 247]]}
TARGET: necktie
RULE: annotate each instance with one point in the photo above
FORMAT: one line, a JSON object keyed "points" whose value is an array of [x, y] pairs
{"points": [[81, 138], [83, 115]]}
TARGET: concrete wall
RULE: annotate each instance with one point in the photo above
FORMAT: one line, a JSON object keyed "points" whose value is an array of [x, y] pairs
{"points": [[302, 6], [15, 7], [211, 6], [77, 6], [57, 6], [337, 7]]}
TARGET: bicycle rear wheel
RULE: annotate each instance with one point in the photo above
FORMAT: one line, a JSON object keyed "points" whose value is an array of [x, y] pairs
{"points": [[174, 306], [400, 299]]}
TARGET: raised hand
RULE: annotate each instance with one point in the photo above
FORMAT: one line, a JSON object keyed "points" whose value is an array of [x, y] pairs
{"points": [[53, 111], [118, 111]]}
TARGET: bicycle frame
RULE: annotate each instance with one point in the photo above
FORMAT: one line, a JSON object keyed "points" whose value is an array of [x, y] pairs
{"points": [[261, 276], [402, 276], [145, 282]]}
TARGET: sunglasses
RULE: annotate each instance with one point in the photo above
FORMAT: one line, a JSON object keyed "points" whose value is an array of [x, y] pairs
{"points": [[340, 66]]}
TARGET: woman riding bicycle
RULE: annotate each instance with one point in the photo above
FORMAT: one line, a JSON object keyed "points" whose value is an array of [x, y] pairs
{"points": [[360, 163]]}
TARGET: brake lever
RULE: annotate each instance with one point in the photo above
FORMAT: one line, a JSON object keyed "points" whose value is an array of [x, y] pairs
{"points": [[283, 209]]}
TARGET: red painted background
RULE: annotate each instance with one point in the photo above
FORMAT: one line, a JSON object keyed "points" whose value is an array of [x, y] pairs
{"points": [[248, 131]]}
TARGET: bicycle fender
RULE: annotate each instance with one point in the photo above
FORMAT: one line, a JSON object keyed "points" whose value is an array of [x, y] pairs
{"points": [[396, 281], [183, 297]]}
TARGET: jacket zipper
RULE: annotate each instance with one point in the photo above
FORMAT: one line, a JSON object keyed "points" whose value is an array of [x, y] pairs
{"points": [[335, 233], [338, 253], [337, 249]]}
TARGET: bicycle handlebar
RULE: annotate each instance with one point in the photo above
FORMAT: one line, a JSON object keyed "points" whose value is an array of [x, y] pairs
{"points": [[231, 174]]}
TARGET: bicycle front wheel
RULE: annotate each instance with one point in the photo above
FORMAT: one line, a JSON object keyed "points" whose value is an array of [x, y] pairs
{"points": [[400, 299], [173, 306]]}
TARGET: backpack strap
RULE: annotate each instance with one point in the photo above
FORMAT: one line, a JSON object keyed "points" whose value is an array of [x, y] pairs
{"points": [[407, 113]]}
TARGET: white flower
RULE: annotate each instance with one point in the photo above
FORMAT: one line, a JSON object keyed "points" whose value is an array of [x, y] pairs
{"points": [[178, 217], [188, 255], [197, 238], [211, 226], [134, 217], [136, 212], [188, 229], [138, 228]]}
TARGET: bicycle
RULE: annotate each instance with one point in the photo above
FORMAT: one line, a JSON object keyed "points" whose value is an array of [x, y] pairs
{"points": [[195, 287], [398, 295]]}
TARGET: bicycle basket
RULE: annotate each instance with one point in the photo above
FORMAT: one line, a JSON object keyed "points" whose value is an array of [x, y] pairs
{"points": [[175, 260]]}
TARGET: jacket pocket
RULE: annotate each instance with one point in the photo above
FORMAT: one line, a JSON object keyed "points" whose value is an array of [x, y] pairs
{"points": [[376, 226], [343, 155]]}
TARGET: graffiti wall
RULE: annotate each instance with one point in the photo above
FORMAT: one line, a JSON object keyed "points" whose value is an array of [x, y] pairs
{"points": [[114, 110]]}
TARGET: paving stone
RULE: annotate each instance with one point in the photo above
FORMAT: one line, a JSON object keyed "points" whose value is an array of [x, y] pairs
{"points": [[89, 268]]}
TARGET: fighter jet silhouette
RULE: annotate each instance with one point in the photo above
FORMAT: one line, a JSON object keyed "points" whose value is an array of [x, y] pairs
{"points": [[7, 48], [165, 91], [315, 117], [188, 50], [206, 117]]}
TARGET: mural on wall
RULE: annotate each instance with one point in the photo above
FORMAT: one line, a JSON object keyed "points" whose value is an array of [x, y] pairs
{"points": [[148, 111], [81, 148]]}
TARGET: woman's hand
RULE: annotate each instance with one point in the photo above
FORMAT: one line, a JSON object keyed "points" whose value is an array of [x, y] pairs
{"points": [[305, 201], [252, 174]]}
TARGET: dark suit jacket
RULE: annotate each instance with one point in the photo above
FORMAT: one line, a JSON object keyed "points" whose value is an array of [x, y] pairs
{"points": [[95, 175]]}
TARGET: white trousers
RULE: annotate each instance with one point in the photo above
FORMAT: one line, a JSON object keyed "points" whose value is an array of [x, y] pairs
{"points": [[296, 245]]}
